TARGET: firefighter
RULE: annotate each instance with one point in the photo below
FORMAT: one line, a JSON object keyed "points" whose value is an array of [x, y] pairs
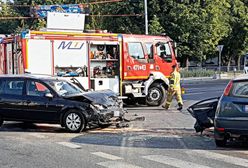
{"points": [[174, 89]]}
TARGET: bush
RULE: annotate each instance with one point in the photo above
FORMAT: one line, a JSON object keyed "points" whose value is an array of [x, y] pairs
{"points": [[197, 73]]}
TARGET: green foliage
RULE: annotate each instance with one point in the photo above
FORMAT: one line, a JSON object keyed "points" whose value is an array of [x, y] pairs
{"points": [[197, 73], [155, 28], [7, 26]]}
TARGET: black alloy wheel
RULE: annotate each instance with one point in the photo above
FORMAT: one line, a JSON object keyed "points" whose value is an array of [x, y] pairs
{"points": [[74, 121], [156, 95]]}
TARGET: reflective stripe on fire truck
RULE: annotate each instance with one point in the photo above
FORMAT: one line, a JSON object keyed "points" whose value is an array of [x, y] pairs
{"points": [[73, 34]]}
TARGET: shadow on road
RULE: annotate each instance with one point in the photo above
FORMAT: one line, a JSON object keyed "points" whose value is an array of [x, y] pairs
{"points": [[141, 140], [34, 127]]}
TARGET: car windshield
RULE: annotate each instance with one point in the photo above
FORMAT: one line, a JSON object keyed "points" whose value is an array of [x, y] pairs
{"points": [[64, 88]]}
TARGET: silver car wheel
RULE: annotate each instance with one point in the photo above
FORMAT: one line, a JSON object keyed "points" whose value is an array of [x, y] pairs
{"points": [[73, 121]]}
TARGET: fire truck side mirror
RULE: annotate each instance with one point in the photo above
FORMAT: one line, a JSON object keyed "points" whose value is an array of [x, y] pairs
{"points": [[158, 44]]}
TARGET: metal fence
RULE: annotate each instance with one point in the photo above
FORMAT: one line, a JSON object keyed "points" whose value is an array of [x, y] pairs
{"points": [[216, 68]]}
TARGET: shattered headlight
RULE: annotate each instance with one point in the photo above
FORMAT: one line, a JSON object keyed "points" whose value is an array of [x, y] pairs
{"points": [[99, 107]]}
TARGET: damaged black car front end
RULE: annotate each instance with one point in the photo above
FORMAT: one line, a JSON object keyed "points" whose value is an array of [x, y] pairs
{"points": [[105, 107]]}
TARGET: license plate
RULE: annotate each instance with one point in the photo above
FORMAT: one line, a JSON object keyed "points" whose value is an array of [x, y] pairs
{"points": [[116, 114]]}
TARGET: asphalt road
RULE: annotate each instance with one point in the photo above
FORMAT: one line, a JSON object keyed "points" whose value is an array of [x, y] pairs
{"points": [[164, 139], [204, 89]]}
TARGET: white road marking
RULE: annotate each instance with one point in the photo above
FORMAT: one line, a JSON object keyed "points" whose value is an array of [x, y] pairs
{"points": [[117, 164], [70, 145], [220, 157], [107, 156], [173, 161]]}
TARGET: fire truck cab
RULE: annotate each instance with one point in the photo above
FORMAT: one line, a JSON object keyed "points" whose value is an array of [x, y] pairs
{"points": [[147, 64]]}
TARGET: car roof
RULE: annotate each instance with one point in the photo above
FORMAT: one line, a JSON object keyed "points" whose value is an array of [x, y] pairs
{"points": [[241, 77], [30, 76]]}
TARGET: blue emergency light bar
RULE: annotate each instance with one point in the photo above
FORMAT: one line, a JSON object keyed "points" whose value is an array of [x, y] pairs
{"points": [[41, 10]]}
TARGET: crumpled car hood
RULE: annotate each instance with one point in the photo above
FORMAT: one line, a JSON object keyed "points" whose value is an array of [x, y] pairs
{"points": [[102, 97]]}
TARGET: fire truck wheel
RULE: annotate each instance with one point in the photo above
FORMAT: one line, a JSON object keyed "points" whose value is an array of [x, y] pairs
{"points": [[156, 95]]}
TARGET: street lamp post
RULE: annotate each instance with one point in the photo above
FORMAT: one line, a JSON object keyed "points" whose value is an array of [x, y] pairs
{"points": [[146, 16], [220, 48]]}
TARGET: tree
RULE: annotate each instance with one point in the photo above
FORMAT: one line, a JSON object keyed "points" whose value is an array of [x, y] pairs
{"points": [[155, 27], [8, 26], [131, 24], [235, 44]]}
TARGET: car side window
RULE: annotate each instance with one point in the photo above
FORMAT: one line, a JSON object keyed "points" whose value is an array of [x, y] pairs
{"points": [[35, 88], [135, 50], [13, 87]]}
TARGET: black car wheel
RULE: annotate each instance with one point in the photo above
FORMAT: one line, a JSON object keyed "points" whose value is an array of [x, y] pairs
{"points": [[1, 121], [74, 121], [221, 143], [156, 95]]}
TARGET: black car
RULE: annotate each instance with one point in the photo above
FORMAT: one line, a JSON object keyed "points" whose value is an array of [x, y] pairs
{"points": [[45, 99]]}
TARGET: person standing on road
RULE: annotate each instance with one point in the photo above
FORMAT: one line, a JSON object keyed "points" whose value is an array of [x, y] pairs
{"points": [[174, 90]]}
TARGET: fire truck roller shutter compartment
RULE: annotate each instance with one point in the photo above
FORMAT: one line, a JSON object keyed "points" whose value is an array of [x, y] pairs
{"points": [[39, 56]]}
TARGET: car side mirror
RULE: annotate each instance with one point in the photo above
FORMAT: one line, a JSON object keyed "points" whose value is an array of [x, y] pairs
{"points": [[49, 95]]}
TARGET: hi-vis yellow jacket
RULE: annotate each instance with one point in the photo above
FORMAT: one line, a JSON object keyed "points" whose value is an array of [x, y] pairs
{"points": [[175, 80]]}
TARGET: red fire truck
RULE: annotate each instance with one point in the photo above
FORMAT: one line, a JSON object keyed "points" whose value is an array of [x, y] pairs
{"points": [[135, 66]]}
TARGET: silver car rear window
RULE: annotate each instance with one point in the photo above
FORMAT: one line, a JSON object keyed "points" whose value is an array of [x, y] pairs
{"points": [[240, 89]]}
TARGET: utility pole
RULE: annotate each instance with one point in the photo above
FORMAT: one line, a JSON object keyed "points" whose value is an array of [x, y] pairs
{"points": [[146, 16]]}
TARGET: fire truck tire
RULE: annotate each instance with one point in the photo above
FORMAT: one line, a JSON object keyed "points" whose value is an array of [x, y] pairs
{"points": [[156, 95]]}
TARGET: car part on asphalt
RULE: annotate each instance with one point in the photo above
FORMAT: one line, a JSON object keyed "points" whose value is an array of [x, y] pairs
{"points": [[204, 112]]}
